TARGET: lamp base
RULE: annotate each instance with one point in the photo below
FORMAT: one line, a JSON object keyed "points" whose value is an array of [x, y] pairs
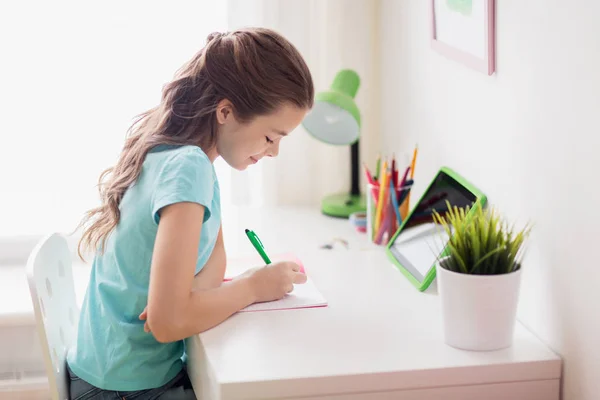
{"points": [[343, 204]]}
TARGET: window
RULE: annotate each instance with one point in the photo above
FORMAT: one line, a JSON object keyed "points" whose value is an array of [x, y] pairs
{"points": [[74, 75]]}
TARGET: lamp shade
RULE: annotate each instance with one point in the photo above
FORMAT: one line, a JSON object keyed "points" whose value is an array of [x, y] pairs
{"points": [[335, 118]]}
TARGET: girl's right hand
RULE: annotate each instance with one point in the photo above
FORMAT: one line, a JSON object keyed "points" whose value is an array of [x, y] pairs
{"points": [[274, 281]]}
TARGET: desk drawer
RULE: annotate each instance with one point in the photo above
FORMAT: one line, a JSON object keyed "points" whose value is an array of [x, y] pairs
{"points": [[534, 390]]}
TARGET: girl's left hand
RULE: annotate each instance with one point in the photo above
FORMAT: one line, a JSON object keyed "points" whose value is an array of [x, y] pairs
{"points": [[143, 316]]}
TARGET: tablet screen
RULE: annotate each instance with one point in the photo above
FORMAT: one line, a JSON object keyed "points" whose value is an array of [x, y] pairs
{"points": [[421, 240]]}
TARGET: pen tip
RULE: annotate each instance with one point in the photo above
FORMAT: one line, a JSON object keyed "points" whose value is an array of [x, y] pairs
{"points": [[247, 230]]}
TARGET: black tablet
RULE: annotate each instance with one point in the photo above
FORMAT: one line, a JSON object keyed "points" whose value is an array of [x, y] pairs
{"points": [[419, 241]]}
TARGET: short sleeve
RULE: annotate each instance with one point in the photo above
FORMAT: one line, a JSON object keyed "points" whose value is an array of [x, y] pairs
{"points": [[185, 177]]}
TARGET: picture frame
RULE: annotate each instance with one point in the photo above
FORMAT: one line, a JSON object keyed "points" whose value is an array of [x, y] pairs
{"points": [[464, 31]]}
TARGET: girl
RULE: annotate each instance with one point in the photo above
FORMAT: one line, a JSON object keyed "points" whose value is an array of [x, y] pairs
{"points": [[159, 255]]}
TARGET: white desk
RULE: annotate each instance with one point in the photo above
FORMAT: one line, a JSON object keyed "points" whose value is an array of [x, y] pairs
{"points": [[379, 338]]}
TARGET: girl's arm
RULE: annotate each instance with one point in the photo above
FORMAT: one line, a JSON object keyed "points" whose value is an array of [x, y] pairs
{"points": [[210, 277], [212, 274], [176, 310]]}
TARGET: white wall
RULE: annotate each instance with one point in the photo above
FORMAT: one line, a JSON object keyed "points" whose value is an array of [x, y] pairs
{"points": [[528, 136]]}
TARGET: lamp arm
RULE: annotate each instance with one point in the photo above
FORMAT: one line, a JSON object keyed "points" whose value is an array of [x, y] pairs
{"points": [[354, 167]]}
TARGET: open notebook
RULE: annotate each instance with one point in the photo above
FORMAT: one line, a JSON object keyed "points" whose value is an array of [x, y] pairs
{"points": [[303, 296]]}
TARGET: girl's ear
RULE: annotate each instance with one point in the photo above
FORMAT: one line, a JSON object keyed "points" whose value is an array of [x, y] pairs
{"points": [[224, 111]]}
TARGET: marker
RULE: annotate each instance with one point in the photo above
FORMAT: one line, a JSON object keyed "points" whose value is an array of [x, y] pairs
{"points": [[258, 245]]}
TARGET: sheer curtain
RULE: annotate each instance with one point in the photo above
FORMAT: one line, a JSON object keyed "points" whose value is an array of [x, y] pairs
{"points": [[331, 35], [75, 73], [73, 76]]}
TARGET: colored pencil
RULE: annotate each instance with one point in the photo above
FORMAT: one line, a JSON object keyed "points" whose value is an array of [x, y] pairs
{"points": [[382, 190], [394, 172], [383, 228], [403, 181], [412, 173], [413, 162], [395, 204], [368, 174], [387, 215], [371, 181]]}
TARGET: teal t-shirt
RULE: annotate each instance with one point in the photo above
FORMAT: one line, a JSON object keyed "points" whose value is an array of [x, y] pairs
{"points": [[112, 350]]}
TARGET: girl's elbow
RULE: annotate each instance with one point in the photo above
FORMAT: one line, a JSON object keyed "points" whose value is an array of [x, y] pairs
{"points": [[163, 336], [164, 328]]}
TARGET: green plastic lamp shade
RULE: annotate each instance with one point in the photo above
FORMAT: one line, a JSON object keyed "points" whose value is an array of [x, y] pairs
{"points": [[335, 119]]}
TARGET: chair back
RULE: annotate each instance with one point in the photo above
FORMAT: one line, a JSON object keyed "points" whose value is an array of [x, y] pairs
{"points": [[50, 280]]}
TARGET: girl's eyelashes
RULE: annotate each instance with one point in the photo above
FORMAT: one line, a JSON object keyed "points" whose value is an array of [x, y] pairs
{"points": [[268, 139]]}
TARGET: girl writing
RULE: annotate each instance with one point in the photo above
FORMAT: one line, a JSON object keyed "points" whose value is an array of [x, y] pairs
{"points": [[159, 259]]}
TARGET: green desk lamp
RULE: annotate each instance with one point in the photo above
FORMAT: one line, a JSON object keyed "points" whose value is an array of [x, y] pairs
{"points": [[335, 119]]}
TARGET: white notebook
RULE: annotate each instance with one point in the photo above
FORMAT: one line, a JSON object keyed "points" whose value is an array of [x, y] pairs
{"points": [[305, 295]]}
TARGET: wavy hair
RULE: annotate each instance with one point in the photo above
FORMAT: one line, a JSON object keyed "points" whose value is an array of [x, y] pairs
{"points": [[256, 69]]}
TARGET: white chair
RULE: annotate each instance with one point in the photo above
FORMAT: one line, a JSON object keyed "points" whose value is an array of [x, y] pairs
{"points": [[52, 290]]}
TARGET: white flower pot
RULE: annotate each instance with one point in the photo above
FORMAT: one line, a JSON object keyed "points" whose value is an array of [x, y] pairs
{"points": [[478, 311]]}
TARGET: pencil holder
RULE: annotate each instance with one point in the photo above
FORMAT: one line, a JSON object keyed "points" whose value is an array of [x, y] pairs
{"points": [[386, 209]]}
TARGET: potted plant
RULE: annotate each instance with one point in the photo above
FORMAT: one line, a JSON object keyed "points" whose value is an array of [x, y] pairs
{"points": [[479, 276]]}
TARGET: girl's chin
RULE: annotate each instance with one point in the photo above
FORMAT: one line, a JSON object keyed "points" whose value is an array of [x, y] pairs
{"points": [[241, 166]]}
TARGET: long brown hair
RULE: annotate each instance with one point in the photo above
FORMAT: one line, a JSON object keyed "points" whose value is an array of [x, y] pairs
{"points": [[254, 68]]}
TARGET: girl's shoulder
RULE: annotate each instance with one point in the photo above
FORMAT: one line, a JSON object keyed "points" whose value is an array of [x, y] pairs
{"points": [[171, 152], [176, 159], [182, 174], [180, 159]]}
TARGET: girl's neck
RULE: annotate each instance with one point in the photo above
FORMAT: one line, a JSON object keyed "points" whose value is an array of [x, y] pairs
{"points": [[211, 153]]}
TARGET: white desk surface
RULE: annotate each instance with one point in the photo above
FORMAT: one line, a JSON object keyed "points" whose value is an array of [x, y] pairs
{"points": [[377, 334]]}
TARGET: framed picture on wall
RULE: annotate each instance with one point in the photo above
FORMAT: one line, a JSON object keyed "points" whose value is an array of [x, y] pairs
{"points": [[464, 30]]}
